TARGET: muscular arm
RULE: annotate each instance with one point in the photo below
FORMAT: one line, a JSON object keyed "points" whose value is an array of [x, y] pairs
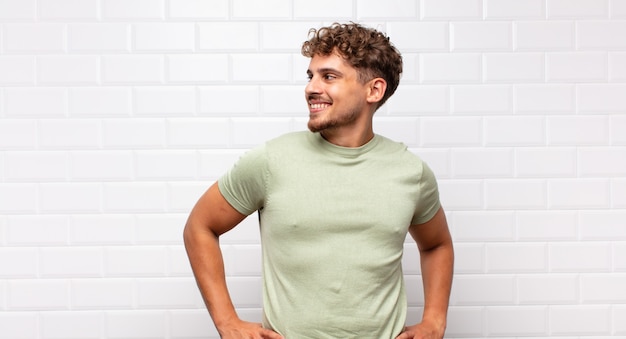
{"points": [[437, 259], [211, 217]]}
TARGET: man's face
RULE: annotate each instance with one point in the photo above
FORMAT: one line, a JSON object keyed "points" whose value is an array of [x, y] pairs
{"points": [[334, 94]]}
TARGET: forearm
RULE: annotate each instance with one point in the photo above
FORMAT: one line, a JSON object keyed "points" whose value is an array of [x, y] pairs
{"points": [[437, 270], [207, 264]]}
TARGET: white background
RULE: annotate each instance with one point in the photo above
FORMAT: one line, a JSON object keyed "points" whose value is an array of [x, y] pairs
{"points": [[115, 115]]}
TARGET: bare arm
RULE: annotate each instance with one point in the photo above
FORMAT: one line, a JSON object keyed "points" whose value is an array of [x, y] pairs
{"points": [[211, 217], [437, 259]]}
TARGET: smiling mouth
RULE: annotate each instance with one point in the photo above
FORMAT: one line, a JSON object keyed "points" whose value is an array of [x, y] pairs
{"points": [[318, 106]]}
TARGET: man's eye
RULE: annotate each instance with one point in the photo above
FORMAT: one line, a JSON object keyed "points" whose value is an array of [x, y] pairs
{"points": [[329, 77]]}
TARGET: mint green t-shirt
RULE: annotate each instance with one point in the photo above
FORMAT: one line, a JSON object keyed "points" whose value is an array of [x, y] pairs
{"points": [[333, 221]]}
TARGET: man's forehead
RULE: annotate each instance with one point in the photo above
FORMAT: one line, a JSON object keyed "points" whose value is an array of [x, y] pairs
{"points": [[320, 63]]}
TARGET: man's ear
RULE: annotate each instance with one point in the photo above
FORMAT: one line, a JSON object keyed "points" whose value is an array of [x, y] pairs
{"points": [[376, 90]]}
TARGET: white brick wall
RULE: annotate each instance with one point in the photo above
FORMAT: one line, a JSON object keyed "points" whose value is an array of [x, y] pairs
{"points": [[115, 115]]}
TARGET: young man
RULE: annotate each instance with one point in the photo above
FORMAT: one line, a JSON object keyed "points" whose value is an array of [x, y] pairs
{"points": [[335, 206]]}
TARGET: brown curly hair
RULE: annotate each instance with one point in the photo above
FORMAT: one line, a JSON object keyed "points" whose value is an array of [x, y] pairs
{"points": [[366, 49]]}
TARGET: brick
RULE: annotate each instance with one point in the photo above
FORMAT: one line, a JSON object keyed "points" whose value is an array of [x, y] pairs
{"points": [[135, 69], [191, 324], [617, 66], [482, 36], [38, 295], [464, 321], [450, 68], [134, 197], [619, 313], [247, 232], [451, 132], [234, 36], [260, 67], [198, 9], [515, 194], [533, 289], [484, 100], [99, 101], [70, 197], [214, 163], [68, 9], [164, 100], [168, 293], [283, 100], [182, 196], [392, 9], [132, 9], [514, 320], [544, 35], [580, 320], [18, 198], [514, 131], [605, 225], [197, 68], [432, 99], [160, 229], [617, 126], [101, 165], [72, 325], [545, 162], [35, 166], [600, 35], [178, 262], [122, 133], [619, 257], [17, 70], [594, 162], [99, 37], [105, 229], [283, 36], [73, 134], [516, 258], [21, 10], [580, 257], [618, 9], [36, 230], [202, 133], [480, 163], [19, 325], [247, 9], [18, 134], [303, 9], [127, 261], [168, 37], [547, 225], [419, 36], [248, 132], [451, 9], [576, 67], [71, 262], [584, 193], [401, 129], [601, 98], [34, 37], [67, 69], [474, 226], [603, 288], [35, 102], [514, 67], [469, 258], [227, 100], [415, 292], [577, 130], [165, 165], [483, 290], [618, 193], [545, 99], [135, 324], [26, 267], [513, 9], [461, 194], [578, 9], [249, 291]]}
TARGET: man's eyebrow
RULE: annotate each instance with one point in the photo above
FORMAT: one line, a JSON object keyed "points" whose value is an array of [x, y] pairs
{"points": [[325, 70]]}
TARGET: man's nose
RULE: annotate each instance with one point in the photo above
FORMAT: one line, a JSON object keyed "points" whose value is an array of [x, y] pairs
{"points": [[313, 86]]}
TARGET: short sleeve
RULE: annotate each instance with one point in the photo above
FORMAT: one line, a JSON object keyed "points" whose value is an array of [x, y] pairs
{"points": [[243, 186], [428, 203]]}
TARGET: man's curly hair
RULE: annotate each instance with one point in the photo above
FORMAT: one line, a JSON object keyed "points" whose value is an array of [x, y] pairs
{"points": [[366, 49]]}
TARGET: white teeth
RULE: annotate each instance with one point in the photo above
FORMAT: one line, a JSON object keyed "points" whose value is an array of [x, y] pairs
{"points": [[319, 106]]}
